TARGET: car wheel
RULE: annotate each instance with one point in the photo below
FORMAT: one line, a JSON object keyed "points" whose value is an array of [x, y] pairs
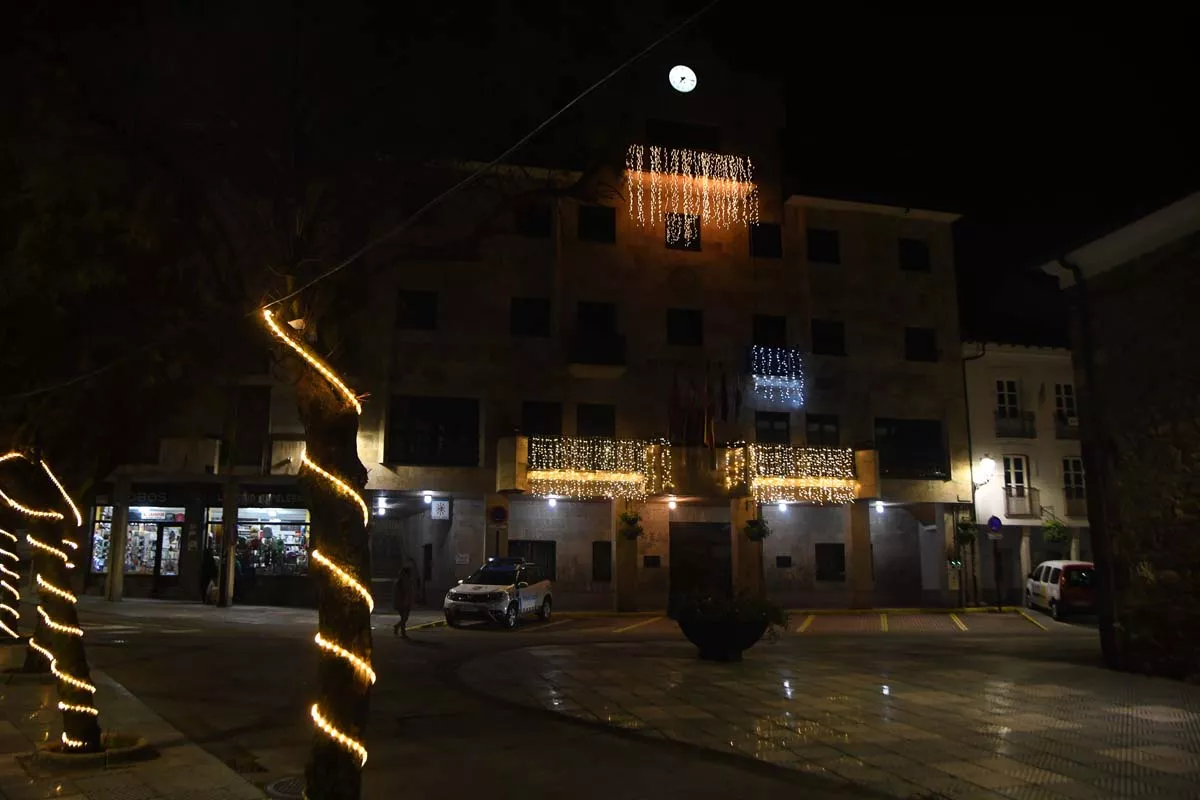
{"points": [[511, 617], [1028, 599], [452, 620], [1056, 613], [544, 612]]}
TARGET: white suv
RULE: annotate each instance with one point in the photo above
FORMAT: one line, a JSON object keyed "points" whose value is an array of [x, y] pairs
{"points": [[502, 590]]}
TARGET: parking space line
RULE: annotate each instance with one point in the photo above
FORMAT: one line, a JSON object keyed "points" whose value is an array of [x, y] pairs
{"points": [[551, 624], [1025, 614], [807, 621], [962, 626], [883, 623], [636, 625]]}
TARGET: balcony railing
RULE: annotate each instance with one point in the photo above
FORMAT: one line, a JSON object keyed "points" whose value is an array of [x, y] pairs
{"points": [[1066, 427], [1076, 502], [1016, 425], [1021, 501]]}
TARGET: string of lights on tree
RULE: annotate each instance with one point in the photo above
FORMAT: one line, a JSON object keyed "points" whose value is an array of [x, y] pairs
{"points": [[341, 574], [586, 467], [784, 473], [670, 184], [10, 595], [778, 375]]}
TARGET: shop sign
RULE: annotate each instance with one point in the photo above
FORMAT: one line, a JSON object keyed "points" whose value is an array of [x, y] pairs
{"points": [[462, 559], [250, 498], [171, 496]]}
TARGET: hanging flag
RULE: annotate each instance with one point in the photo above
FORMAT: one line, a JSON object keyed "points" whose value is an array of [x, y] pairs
{"points": [[724, 397]]}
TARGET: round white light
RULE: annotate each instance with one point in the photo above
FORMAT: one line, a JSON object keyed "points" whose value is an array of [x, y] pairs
{"points": [[682, 78], [878, 506], [782, 506], [428, 499], [552, 502], [987, 468], [671, 504]]}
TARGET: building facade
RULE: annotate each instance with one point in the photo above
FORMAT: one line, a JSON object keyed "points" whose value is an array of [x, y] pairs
{"points": [[1027, 461]]}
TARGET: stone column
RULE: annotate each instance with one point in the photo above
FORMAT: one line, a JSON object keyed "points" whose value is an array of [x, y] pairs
{"points": [[1074, 544], [625, 566], [862, 581], [747, 555], [1026, 558], [229, 534], [114, 582]]}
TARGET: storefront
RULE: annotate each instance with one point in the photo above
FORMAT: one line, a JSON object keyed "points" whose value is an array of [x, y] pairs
{"points": [[155, 542]]}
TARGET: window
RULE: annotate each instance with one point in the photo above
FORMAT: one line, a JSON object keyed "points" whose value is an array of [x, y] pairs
{"points": [[416, 311], [920, 344], [529, 316], [1064, 401], [828, 337], [535, 220], [823, 246], [766, 240], [914, 255], [598, 224], [252, 426], [433, 431], [772, 427], [1007, 404], [821, 430], [685, 327], [1073, 478], [683, 231], [783, 562], [596, 319], [541, 553], [595, 419], [651, 562], [1054, 573], [831, 562], [541, 418], [1016, 475], [1082, 577], [770, 330], [602, 562], [911, 448], [1039, 574], [667, 133]]}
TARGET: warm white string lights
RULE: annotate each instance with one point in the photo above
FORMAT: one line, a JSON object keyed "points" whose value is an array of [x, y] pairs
{"points": [[9, 589], [66, 498], [781, 473], [584, 467], [671, 184], [778, 375], [360, 664]]}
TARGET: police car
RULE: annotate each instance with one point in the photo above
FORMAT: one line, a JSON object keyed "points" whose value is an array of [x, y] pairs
{"points": [[502, 590]]}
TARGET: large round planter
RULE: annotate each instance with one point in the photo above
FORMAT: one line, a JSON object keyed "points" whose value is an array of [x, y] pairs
{"points": [[722, 640]]}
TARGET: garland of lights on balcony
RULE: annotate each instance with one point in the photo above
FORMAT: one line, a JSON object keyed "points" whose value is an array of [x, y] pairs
{"points": [[583, 467], [778, 375], [342, 574], [783, 473], [668, 184]]}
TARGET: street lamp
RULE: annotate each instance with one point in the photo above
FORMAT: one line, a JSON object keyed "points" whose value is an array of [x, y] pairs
{"points": [[985, 471]]}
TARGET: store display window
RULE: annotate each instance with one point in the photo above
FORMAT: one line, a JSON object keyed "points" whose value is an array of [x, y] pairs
{"points": [[152, 541], [271, 541]]}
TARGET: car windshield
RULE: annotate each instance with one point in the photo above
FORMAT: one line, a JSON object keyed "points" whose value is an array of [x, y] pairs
{"points": [[1079, 577], [494, 576]]}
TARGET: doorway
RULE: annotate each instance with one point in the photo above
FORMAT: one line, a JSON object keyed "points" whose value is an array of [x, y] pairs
{"points": [[701, 561]]}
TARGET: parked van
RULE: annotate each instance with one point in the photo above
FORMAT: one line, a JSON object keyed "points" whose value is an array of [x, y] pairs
{"points": [[1062, 588]]}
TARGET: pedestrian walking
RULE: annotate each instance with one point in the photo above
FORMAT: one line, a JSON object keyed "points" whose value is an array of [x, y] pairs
{"points": [[208, 572], [403, 591]]}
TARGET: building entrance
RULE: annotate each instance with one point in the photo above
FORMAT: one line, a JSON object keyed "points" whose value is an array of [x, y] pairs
{"points": [[701, 561]]}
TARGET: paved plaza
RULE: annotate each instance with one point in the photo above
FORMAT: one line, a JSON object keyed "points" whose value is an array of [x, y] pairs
{"points": [[926, 718]]}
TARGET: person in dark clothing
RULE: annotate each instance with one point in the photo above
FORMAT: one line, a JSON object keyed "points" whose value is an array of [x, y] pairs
{"points": [[208, 571], [404, 592]]}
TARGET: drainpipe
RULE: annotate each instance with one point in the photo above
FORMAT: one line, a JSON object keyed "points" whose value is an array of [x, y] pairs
{"points": [[971, 469], [1092, 416]]}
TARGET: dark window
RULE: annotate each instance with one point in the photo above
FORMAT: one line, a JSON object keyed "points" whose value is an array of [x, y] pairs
{"points": [[1008, 400], [823, 246], [1064, 400], [667, 133], [534, 220], [1082, 577], [541, 418], [828, 337], [1073, 478], [920, 344], [831, 562], [596, 419], [772, 427], [766, 240], [602, 562], [911, 448], [651, 562], [770, 330], [416, 311], [542, 553], [822, 430], [1054, 574], [252, 426], [433, 431], [685, 326], [598, 224], [682, 231], [914, 255], [783, 562], [530, 574], [529, 316], [596, 319], [426, 562]]}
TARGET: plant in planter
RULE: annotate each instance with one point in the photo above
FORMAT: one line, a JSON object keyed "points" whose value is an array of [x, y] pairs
{"points": [[756, 530], [630, 525], [967, 534], [1055, 532], [723, 627]]}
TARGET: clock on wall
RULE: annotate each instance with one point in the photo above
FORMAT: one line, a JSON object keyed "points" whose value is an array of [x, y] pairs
{"points": [[682, 78]]}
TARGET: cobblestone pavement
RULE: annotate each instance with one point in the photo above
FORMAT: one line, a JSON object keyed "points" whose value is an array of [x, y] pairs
{"points": [[933, 719]]}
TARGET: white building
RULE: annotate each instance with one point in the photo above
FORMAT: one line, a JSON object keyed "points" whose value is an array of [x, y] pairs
{"points": [[1025, 452]]}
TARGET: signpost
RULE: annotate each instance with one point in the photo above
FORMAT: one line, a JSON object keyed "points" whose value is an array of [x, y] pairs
{"points": [[996, 533]]}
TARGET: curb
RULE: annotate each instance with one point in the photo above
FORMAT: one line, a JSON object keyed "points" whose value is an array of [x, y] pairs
{"points": [[837, 611]]}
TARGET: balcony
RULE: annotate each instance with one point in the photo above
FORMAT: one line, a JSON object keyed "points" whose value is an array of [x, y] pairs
{"points": [[583, 467], [1021, 502], [1016, 425], [777, 376], [775, 473], [597, 356], [1076, 503], [1066, 427]]}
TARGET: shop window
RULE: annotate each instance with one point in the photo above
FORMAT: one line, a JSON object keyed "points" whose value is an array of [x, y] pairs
{"points": [[252, 426], [595, 319], [770, 330], [683, 231], [772, 427], [766, 240], [153, 540], [598, 224], [831, 562], [416, 311], [602, 562], [651, 562], [911, 448], [824, 247], [270, 541], [685, 327], [433, 431], [913, 255], [542, 553], [683, 135], [529, 316], [541, 418], [828, 337], [783, 562], [821, 430], [596, 419], [920, 344], [535, 220]]}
